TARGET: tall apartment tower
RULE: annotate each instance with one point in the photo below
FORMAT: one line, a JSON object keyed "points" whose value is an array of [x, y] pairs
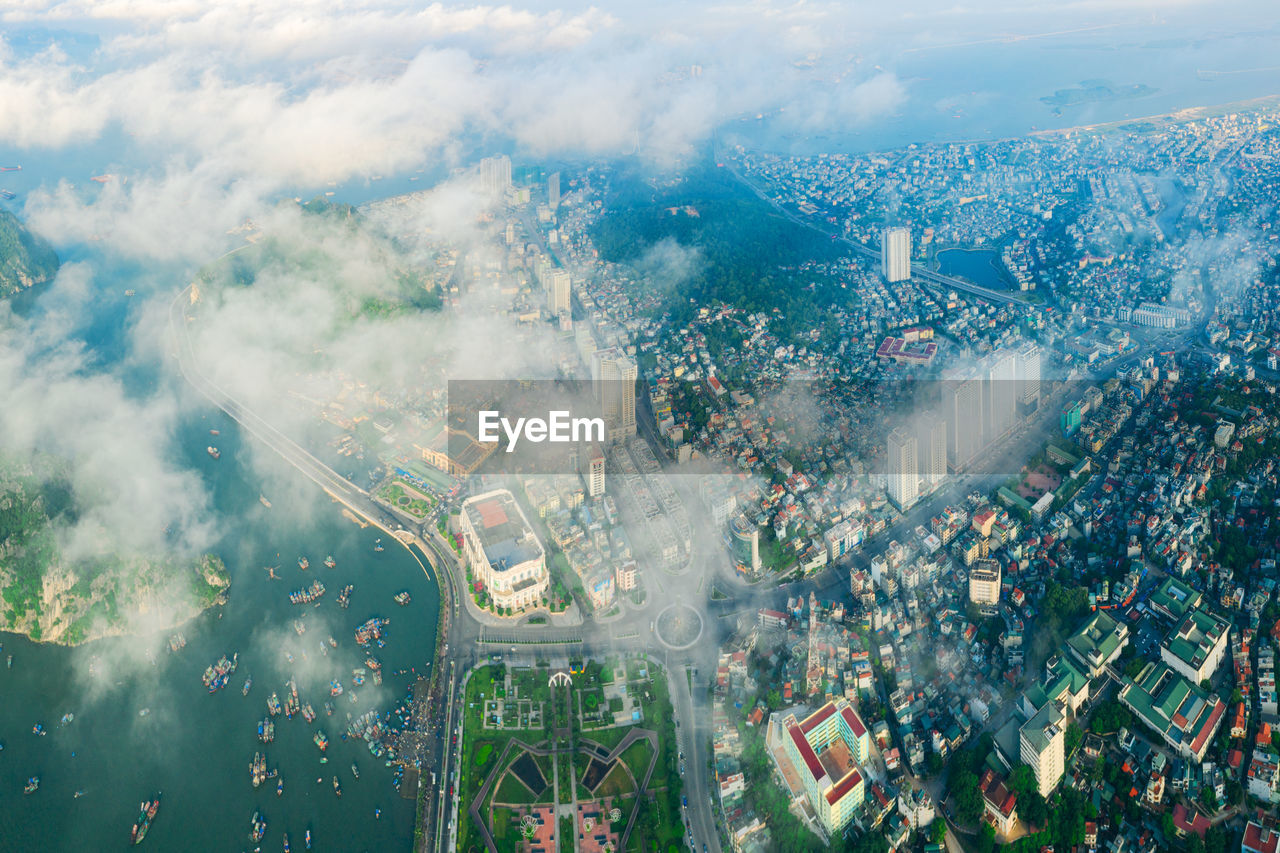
{"points": [[1029, 376], [895, 254], [615, 377], [931, 450], [1002, 394], [903, 468], [557, 283], [553, 190], [495, 174], [963, 410], [593, 470]]}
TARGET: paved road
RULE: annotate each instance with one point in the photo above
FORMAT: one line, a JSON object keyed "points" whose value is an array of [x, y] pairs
{"points": [[692, 737]]}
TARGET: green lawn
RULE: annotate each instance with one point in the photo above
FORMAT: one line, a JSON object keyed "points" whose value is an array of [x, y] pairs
{"points": [[511, 790]]}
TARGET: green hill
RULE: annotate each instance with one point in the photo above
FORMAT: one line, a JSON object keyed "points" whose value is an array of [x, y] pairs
{"points": [[25, 259]]}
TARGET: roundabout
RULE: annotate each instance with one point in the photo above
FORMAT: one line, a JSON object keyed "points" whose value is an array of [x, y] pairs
{"points": [[678, 627]]}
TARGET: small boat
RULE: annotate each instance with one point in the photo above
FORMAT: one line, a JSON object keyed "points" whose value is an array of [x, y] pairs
{"points": [[286, 842], [266, 730], [67, 717], [258, 827], [299, 626], [144, 712], [213, 451], [80, 793], [307, 839], [308, 713], [303, 563], [258, 769], [38, 729], [377, 546], [321, 740], [377, 814], [33, 785], [329, 562], [262, 499], [273, 704], [279, 787], [335, 689], [214, 432], [9, 662], [248, 682], [176, 642], [402, 598], [355, 771], [333, 643], [344, 597], [337, 786]]}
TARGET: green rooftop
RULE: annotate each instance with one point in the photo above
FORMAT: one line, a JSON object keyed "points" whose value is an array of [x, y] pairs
{"points": [[1174, 598], [1098, 640]]}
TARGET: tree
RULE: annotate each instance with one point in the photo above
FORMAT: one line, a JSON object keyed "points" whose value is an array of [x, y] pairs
{"points": [[965, 795], [933, 764], [1209, 799], [1234, 792], [986, 839], [1071, 739], [938, 831]]}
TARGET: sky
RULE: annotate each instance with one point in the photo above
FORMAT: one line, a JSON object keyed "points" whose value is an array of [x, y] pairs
{"points": [[207, 115]]}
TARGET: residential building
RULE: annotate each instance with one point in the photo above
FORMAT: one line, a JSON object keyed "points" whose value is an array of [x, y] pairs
{"points": [[502, 550], [895, 254], [984, 582]]}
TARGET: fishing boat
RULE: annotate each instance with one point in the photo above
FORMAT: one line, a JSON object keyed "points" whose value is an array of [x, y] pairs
{"points": [[258, 827], [328, 709], [307, 839], [344, 597], [262, 499], [305, 596], [371, 631], [216, 677], [332, 642], [33, 785], [258, 769], [38, 729], [355, 771], [248, 682], [266, 730], [145, 816], [213, 451], [80, 793], [335, 688], [321, 740], [357, 676], [279, 787], [214, 432], [66, 718], [176, 642], [273, 704], [303, 563], [299, 627], [337, 786], [377, 546], [144, 712], [286, 842], [308, 713], [402, 598], [8, 664], [329, 562]]}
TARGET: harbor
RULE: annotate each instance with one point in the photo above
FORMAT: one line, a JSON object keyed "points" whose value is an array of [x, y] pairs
{"points": [[138, 710]]}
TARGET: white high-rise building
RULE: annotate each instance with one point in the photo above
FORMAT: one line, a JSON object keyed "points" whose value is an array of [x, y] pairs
{"points": [[1041, 746], [553, 190], [614, 376], [593, 470], [963, 411], [931, 450], [895, 254], [903, 470], [495, 174], [1002, 394], [1029, 375], [558, 289]]}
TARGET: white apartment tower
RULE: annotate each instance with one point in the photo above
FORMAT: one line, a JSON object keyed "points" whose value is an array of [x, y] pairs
{"points": [[614, 376], [963, 411], [903, 468], [1003, 393], [931, 450], [495, 174], [895, 254], [558, 289], [1029, 376]]}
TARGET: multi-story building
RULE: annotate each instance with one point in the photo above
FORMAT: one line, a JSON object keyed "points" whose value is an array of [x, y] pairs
{"points": [[1029, 358], [903, 468], [745, 536], [1183, 714], [1098, 642], [502, 550], [593, 470], [895, 254], [553, 190], [962, 409], [558, 285], [495, 174], [614, 377], [834, 790], [1041, 746], [984, 582], [999, 804], [1003, 393], [931, 450], [1196, 645]]}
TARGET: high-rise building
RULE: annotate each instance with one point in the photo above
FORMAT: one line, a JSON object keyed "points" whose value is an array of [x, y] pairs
{"points": [[593, 470], [614, 377], [746, 541], [1002, 394], [963, 411], [558, 289], [903, 468], [553, 190], [495, 174], [1041, 744], [1029, 376], [895, 254], [984, 582], [931, 450]]}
